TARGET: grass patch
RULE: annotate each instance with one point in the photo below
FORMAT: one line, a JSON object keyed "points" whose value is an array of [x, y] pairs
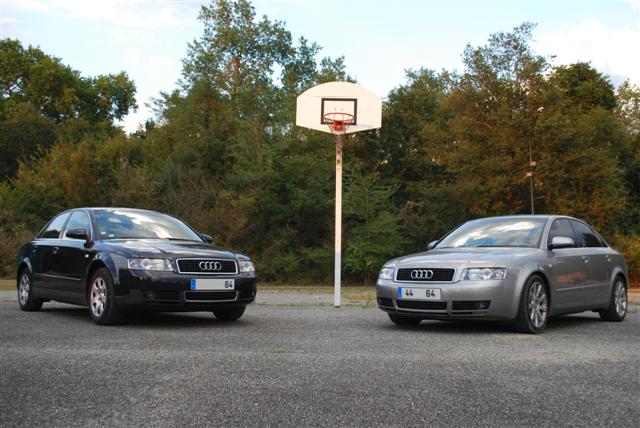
{"points": [[7, 284]]}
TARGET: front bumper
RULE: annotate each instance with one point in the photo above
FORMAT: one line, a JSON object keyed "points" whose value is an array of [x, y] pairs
{"points": [[171, 292], [463, 299]]}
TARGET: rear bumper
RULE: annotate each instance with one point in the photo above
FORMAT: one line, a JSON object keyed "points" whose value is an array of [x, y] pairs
{"points": [[171, 292], [490, 300]]}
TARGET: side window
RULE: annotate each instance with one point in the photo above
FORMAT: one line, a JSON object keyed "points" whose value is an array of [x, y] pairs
{"points": [[561, 227], [78, 220], [55, 227], [586, 236]]}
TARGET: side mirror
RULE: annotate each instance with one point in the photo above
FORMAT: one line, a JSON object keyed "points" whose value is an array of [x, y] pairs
{"points": [[207, 238], [431, 245], [558, 242], [77, 234]]}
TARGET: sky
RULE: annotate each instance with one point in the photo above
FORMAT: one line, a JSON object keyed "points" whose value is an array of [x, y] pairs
{"points": [[380, 40]]}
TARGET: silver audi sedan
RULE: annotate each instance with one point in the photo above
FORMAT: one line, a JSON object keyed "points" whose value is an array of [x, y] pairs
{"points": [[521, 269]]}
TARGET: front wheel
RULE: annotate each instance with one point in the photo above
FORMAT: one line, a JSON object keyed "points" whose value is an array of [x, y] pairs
{"points": [[229, 314], [403, 320], [617, 309], [102, 299], [25, 293], [533, 312]]}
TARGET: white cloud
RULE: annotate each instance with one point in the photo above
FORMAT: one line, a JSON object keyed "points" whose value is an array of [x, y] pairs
{"points": [[612, 51], [635, 4], [120, 13]]}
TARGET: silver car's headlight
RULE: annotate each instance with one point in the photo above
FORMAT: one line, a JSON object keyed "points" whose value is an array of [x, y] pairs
{"points": [[476, 274], [150, 264], [386, 273], [246, 266]]}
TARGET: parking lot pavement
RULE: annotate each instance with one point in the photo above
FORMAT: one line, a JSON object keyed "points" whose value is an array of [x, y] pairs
{"points": [[310, 365]]}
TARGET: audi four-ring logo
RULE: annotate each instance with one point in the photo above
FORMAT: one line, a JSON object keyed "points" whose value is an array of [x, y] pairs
{"points": [[421, 274], [210, 266]]}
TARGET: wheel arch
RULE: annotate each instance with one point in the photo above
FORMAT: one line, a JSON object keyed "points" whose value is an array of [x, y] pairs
{"points": [[523, 278], [91, 270], [24, 263]]}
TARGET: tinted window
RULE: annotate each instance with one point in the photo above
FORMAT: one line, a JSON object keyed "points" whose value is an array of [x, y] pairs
{"points": [[55, 227], [586, 236], [133, 224], [496, 232], [78, 220], [562, 227]]}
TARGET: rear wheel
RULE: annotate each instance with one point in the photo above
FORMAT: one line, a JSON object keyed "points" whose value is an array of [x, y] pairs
{"points": [[404, 320], [229, 314], [102, 299], [617, 309], [25, 293], [533, 313]]}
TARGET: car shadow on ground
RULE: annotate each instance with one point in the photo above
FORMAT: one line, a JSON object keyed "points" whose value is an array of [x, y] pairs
{"points": [[556, 324], [149, 319]]}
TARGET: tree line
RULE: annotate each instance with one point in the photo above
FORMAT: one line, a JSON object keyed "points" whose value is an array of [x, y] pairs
{"points": [[223, 153]]}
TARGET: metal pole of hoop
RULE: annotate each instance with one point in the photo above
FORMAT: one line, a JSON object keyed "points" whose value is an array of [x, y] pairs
{"points": [[338, 223], [338, 123]]}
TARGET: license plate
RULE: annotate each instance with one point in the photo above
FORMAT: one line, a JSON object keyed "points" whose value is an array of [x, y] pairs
{"points": [[212, 284], [419, 293]]}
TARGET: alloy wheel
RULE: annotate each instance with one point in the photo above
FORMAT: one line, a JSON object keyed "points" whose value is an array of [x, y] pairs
{"points": [[537, 304], [620, 298], [24, 289], [98, 297]]}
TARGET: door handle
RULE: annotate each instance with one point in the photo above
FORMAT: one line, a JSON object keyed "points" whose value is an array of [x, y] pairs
{"points": [[585, 259], [55, 250]]}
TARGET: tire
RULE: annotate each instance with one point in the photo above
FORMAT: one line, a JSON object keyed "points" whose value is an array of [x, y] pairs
{"points": [[533, 312], [229, 314], [26, 301], [101, 297], [404, 320], [617, 309]]}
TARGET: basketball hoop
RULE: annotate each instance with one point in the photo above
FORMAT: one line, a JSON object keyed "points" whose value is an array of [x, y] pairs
{"points": [[338, 121]]}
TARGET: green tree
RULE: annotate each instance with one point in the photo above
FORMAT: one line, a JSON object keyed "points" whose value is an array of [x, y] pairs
{"points": [[374, 233]]}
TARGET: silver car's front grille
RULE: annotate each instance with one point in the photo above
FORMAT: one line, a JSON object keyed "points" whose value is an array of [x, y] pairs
{"points": [[425, 274]]}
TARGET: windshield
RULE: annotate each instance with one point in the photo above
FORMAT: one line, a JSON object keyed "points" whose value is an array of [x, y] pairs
{"points": [[496, 232], [124, 224]]}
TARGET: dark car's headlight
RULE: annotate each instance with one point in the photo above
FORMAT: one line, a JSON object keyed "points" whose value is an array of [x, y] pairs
{"points": [[477, 274], [386, 273], [246, 266], [150, 264]]}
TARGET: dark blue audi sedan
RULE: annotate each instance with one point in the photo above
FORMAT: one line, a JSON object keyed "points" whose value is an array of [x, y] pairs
{"points": [[119, 260]]}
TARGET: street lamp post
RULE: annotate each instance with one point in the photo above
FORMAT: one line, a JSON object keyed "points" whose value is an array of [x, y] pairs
{"points": [[532, 164]]}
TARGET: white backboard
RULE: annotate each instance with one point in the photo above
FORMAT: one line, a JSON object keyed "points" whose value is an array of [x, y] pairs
{"points": [[342, 97]]}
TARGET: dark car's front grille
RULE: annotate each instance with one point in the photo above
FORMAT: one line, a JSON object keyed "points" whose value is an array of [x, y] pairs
{"points": [[207, 266], [425, 274], [383, 301], [209, 296], [425, 306], [168, 295]]}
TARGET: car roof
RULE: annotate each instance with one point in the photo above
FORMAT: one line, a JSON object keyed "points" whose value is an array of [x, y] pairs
{"points": [[526, 216], [113, 209]]}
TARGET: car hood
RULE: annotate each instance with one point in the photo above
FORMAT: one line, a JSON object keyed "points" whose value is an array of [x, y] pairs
{"points": [[168, 249], [454, 257]]}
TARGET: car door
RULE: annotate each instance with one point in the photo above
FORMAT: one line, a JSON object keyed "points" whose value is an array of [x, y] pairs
{"points": [[45, 251], [570, 270], [73, 257], [597, 291]]}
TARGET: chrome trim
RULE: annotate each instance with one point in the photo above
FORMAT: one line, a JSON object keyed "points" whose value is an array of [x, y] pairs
{"points": [[235, 262], [59, 277], [454, 278], [235, 299]]}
